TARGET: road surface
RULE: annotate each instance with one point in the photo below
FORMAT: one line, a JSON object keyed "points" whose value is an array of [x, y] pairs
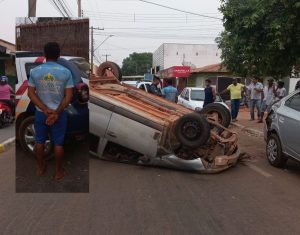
{"points": [[7, 132], [76, 164], [252, 198]]}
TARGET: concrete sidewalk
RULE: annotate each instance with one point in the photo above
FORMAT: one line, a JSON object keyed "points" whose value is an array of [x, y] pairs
{"points": [[244, 122], [7, 137]]}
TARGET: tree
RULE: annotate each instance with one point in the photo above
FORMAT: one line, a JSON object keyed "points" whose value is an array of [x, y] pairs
{"points": [[137, 64], [261, 37]]}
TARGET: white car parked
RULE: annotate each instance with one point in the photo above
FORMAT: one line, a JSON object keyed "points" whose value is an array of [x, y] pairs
{"points": [[193, 98], [143, 85]]}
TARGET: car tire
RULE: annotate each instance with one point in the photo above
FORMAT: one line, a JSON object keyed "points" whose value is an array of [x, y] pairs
{"points": [[274, 151], [26, 138], [223, 113], [113, 67], [192, 130]]}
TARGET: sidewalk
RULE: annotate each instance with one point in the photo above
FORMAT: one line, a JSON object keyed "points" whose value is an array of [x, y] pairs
{"points": [[244, 123]]}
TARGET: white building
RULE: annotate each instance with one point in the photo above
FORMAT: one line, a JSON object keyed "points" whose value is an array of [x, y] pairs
{"points": [[194, 55]]}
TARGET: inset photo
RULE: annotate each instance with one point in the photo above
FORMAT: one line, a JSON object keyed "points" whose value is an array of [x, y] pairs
{"points": [[52, 115]]}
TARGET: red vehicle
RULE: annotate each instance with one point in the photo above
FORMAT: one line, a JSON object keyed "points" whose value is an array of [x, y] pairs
{"points": [[6, 114]]}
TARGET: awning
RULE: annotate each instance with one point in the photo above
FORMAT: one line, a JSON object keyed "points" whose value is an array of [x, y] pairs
{"points": [[175, 71]]}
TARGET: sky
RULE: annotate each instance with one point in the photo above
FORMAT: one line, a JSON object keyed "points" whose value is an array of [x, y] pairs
{"points": [[129, 25]]}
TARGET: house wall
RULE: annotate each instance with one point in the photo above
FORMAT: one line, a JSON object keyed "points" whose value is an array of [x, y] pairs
{"points": [[194, 55], [72, 36], [198, 79]]}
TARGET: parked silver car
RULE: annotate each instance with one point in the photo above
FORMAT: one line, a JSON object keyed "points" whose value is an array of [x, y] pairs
{"points": [[282, 130]]}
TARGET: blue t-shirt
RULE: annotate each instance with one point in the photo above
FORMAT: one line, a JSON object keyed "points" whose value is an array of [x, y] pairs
{"points": [[170, 93], [50, 80]]}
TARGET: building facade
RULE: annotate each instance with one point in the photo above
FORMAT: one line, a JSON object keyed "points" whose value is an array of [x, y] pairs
{"points": [[193, 55]]}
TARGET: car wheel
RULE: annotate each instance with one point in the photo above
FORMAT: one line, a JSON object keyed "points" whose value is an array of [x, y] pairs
{"points": [[223, 114], [274, 151], [192, 130], [113, 67], [27, 138]]}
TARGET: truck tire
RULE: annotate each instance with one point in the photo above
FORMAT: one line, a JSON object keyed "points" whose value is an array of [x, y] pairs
{"points": [[26, 138], [113, 67], [192, 130], [224, 115]]}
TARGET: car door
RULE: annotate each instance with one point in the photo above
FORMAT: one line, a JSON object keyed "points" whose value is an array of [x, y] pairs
{"points": [[186, 99], [181, 96], [289, 125]]}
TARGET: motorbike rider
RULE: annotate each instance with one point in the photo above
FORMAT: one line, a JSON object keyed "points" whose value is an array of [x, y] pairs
{"points": [[5, 93]]}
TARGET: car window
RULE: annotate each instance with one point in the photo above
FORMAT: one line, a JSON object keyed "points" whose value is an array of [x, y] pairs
{"points": [[197, 95], [83, 66], [218, 98], [29, 66], [294, 102], [187, 95], [183, 93], [142, 87]]}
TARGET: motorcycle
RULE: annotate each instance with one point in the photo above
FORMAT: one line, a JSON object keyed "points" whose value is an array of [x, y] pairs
{"points": [[6, 113]]}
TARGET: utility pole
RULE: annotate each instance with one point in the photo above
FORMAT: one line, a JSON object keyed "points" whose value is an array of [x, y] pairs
{"points": [[106, 55], [92, 46], [92, 49], [31, 8], [79, 8]]}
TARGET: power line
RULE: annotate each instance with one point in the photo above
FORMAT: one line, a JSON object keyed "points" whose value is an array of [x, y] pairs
{"points": [[175, 9], [67, 7], [53, 3]]}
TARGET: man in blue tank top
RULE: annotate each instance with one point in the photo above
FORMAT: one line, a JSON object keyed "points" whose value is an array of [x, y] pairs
{"points": [[169, 92], [50, 88]]}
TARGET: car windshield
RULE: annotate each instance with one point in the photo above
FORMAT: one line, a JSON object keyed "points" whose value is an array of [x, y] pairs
{"points": [[83, 66], [197, 95]]}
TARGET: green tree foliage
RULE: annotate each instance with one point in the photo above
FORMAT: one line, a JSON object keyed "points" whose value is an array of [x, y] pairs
{"points": [[137, 64], [261, 37]]}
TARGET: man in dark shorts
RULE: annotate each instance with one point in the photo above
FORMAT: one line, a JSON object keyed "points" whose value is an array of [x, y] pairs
{"points": [[50, 88], [210, 93]]}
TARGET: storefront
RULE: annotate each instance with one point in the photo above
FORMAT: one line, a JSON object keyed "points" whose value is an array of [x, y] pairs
{"points": [[7, 62], [178, 74]]}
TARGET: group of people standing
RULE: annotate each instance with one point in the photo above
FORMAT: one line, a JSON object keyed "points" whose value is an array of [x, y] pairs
{"points": [[169, 92], [259, 97]]}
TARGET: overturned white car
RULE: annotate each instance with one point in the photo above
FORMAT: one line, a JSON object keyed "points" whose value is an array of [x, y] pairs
{"points": [[130, 125]]}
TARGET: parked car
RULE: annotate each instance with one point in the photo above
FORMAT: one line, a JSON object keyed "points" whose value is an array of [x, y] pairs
{"points": [[130, 125], [282, 130], [193, 98], [78, 113], [143, 85]]}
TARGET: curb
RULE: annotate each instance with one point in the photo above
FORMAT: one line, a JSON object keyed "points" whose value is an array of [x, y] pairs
{"points": [[249, 130], [4, 146]]}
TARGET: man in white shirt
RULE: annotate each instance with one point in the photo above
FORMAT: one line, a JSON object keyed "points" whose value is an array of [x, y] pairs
{"points": [[268, 98], [256, 89], [280, 91]]}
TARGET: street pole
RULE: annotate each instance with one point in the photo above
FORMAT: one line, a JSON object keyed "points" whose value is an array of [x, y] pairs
{"points": [[92, 46], [79, 8], [92, 49], [106, 55], [31, 8]]}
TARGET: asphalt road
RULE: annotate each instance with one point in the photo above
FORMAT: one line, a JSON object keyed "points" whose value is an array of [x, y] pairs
{"points": [[7, 132], [76, 164], [251, 198]]}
